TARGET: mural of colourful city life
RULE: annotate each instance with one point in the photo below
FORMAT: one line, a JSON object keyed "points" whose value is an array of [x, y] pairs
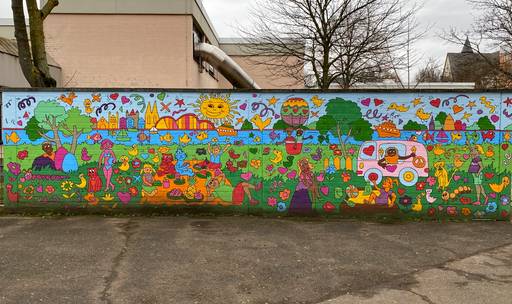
{"points": [[425, 155]]}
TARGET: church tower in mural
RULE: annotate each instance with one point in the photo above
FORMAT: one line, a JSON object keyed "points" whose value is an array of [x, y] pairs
{"points": [[151, 116]]}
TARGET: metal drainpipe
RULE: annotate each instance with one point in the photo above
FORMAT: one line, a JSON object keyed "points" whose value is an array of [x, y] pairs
{"points": [[225, 65]]}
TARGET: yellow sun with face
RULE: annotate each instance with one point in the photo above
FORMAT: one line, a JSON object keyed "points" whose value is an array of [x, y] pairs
{"points": [[217, 108]]}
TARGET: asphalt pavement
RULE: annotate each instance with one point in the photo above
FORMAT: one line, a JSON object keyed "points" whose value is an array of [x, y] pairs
{"points": [[94, 259]]}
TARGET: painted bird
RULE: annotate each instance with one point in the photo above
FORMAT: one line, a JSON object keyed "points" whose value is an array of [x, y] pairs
{"points": [[278, 158], [318, 155], [85, 155], [68, 99], [397, 107], [505, 181], [260, 123], [421, 114], [134, 151], [233, 155]]}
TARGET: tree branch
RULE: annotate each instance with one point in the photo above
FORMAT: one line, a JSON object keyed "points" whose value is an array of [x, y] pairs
{"points": [[48, 7]]}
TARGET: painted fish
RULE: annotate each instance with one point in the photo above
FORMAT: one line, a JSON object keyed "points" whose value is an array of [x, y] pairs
{"points": [[185, 139], [13, 137], [202, 136], [166, 138], [96, 138]]}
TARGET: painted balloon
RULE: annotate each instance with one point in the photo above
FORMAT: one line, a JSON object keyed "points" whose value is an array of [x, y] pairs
{"points": [[295, 111]]}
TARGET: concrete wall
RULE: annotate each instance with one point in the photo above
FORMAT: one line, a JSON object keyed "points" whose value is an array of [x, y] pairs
{"points": [[125, 50], [12, 76], [402, 154]]}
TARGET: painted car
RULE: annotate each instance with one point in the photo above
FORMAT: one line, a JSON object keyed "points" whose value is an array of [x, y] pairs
{"points": [[407, 160]]}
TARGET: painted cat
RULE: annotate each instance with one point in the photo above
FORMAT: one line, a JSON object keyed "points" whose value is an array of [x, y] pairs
{"points": [[166, 166]]}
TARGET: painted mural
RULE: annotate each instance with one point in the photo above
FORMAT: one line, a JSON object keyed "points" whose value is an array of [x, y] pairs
{"points": [[427, 155]]}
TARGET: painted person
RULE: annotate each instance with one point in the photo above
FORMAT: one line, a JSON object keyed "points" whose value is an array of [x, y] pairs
{"points": [[475, 168], [220, 187], [47, 148], [107, 160], [386, 195], [46, 160], [148, 178], [391, 157], [306, 191], [216, 152]]}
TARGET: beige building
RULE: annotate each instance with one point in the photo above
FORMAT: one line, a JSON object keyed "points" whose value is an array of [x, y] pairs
{"points": [[154, 43]]}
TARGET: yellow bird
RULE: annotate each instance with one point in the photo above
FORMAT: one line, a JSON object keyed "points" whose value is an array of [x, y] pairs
{"points": [[125, 165], [278, 157], [87, 105], [260, 123], [438, 151], [156, 159], [505, 181], [420, 113], [417, 207], [317, 101], [490, 152], [397, 107], [185, 139], [134, 151]]}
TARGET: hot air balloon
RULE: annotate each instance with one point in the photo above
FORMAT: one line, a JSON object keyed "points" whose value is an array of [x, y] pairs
{"points": [[295, 111]]}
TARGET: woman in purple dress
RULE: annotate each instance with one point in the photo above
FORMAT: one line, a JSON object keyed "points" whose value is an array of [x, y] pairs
{"points": [[306, 191]]}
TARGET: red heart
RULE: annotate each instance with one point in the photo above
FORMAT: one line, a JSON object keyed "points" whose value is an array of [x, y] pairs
{"points": [[430, 147], [489, 175], [295, 110], [329, 207], [504, 213], [435, 102], [125, 100], [305, 111], [378, 102], [401, 191], [504, 147], [369, 150], [114, 96]]}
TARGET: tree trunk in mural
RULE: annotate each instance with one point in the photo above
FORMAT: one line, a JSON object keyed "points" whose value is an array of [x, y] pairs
{"points": [[32, 52], [55, 129]]}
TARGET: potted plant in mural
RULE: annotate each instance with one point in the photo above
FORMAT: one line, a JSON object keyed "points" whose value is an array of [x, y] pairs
{"points": [[344, 118]]}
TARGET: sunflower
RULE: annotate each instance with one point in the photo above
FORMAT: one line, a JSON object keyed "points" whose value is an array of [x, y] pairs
{"points": [[67, 185]]}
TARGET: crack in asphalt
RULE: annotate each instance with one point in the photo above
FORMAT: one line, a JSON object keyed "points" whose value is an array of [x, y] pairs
{"points": [[403, 282], [423, 297], [478, 277], [127, 230]]}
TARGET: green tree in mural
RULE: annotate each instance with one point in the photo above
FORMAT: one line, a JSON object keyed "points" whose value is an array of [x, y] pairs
{"points": [[414, 126], [33, 130], [75, 125], [485, 124], [50, 115], [247, 125], [344, 118], [441, 118]]}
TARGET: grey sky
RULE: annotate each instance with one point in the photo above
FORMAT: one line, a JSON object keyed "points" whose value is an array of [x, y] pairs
{"points": [[436, 15]]}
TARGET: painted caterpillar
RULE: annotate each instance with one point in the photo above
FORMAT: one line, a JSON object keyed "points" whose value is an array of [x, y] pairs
{"points": [[446, 196]]}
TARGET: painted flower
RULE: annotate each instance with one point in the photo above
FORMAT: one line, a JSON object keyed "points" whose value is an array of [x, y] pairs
{"points": [[272, 201], [128, 180], [133, 191], [285, 194], [337, 152], [28, 175], [120, 179], [281, 207], [346, 177], [505, 200], [22, 154], [351, 151], [466, 211], [270, 168], [49, 189], [491, 207], [431, 211], [420, 186], [67, 185], [151, 151], [451, 210], [333, 147], [29, 190], [330, 170], [431, 181], [14, 168], [136, 163]]}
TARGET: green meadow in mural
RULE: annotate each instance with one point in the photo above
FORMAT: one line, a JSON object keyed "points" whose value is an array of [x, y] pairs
{"points": [[425, 155]]}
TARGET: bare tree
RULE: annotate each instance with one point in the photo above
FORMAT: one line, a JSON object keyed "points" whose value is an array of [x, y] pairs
{"points": [[431, 72], [492, 30], [32, 52], [335, 41]]}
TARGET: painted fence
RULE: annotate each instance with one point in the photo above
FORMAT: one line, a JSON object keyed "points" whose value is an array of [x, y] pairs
{"points": [[425, 154]]}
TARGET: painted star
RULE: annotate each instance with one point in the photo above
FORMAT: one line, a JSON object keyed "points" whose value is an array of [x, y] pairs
{"points": [[272, 101], [385, 117], [180, 102], [471, 105], [467, 116], [239, 120], [251, 135], [508, 101]]}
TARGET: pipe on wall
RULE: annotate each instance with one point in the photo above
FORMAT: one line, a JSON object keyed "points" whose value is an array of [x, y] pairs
{"points": [[226, 66]]}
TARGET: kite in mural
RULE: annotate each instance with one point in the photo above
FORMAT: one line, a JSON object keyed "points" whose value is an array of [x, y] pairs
{"points": [[432, 155]]}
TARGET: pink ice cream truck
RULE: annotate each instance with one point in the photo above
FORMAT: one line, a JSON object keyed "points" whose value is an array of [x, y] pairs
{"points": [[406, 160]]}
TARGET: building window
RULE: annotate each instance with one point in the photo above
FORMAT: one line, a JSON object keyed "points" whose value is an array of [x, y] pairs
{"points": [[197, 37]]}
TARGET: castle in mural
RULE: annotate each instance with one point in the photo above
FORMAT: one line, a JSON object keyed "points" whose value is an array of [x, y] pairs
{"points": [[432, 155]]}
